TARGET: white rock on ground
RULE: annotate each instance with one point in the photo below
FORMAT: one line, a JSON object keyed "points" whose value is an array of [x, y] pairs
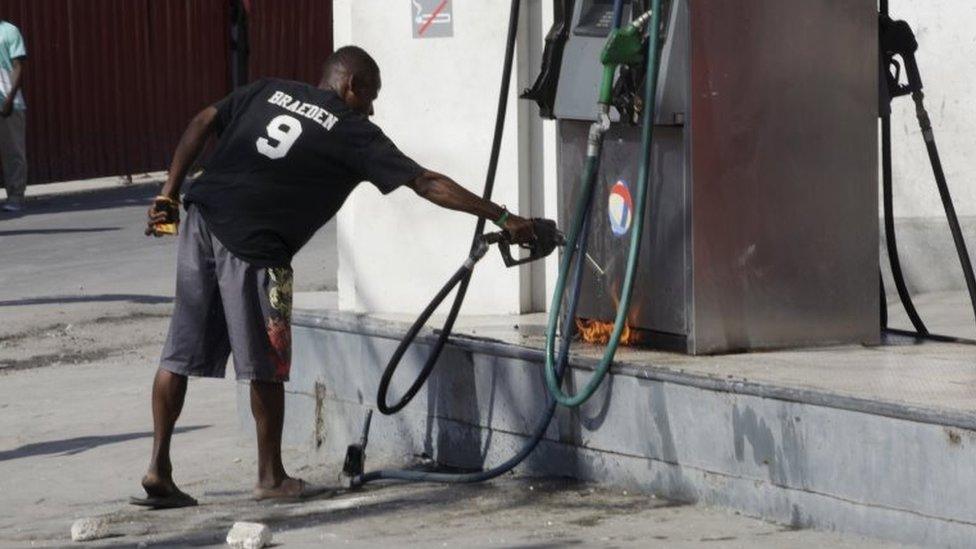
{"points": [[249, 535], [87, 529]]}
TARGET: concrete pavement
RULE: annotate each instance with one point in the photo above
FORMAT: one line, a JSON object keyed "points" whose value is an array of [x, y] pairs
{"points": [[73, 257], [74, 440], [84, 299]]}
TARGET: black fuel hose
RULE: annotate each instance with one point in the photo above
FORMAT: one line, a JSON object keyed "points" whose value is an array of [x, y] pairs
{"points": [[463, 275], [950, 211], [925, 125], [891, 240], [889, 229], [541, 426]]}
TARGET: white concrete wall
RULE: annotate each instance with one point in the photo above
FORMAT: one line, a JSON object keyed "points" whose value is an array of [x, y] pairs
{"points": [[438, 104], [946, 32]]}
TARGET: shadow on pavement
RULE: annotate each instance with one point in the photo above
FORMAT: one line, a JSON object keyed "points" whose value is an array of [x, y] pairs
{"points": [[77, 445], [59, 231], [389, 502], [133, 298]]}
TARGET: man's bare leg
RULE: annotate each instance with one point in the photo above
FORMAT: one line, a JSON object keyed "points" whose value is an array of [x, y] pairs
{"points": [[268, 408], [168, 393]]}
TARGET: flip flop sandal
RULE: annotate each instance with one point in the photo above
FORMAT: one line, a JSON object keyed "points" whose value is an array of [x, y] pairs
{"points": [[172, 501]]}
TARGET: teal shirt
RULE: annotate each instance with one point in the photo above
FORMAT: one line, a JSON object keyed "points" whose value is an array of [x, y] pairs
{"points": [[11, 47]]}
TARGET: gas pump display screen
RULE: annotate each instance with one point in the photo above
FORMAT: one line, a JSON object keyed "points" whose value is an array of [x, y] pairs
{"points": [[596, 18]]}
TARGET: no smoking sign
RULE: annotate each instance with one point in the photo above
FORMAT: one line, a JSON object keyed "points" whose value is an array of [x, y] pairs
{"points": [[432, 18]]}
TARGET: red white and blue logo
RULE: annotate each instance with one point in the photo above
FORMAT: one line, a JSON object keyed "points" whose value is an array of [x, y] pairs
{"points": [[620, 208]]}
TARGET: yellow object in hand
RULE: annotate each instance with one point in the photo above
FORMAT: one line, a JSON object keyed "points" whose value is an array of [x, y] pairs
{"points": [[172, 209]]}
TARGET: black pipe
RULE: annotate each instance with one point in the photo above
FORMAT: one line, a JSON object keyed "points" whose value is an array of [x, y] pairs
{"points": [[541, 426], [897, 38], [462, 278], [884, 301], [889, 225], [940, 180], [930, 337]]}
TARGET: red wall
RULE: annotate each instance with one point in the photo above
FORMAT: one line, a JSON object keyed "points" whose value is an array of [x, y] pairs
{"points": [[289, 38], [111, 84]]}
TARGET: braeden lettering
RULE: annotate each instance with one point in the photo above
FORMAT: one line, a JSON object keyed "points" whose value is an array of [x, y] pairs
{"points": [[313, 112]]}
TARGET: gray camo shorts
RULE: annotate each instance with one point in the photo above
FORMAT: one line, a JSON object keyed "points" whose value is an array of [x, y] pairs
{"points": [[225, 306]]}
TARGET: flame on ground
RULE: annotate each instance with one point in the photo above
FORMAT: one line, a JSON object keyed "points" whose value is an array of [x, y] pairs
{"points": [[598, 332]]}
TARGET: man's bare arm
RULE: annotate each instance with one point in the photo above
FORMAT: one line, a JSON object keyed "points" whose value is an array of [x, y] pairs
{"points": [[17, 81], [443, 191], [191, 144]]}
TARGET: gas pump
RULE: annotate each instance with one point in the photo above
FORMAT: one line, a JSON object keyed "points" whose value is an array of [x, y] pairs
{"points": [[763, 164], [755, 156]]}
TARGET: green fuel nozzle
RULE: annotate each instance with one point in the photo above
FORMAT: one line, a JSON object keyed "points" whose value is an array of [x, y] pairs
{"points": [[624, 46]]}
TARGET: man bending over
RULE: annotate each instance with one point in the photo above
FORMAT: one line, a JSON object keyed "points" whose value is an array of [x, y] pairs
{"points": [[287, 156]]}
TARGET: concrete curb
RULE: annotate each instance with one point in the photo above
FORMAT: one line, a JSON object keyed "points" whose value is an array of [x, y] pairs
{"points": [[364, 325], [804, 458]]}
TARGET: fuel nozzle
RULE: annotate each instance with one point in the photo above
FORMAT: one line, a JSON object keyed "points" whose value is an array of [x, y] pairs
{"points": [[898, 39], [625, 49], [548, 237], [625, 45], [355, 462]]}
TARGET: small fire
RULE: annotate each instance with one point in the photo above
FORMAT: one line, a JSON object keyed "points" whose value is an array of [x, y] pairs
{"points": [[598, 332]]}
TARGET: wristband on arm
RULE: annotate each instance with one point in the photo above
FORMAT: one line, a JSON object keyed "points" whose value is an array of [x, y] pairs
{"points": [[500, 222]]}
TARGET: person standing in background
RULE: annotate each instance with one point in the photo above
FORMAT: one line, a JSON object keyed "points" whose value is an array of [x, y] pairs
{"points": [[13, 115]]}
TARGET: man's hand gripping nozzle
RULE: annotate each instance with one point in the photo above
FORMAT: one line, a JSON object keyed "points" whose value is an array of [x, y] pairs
{"points": [[547, 238]]}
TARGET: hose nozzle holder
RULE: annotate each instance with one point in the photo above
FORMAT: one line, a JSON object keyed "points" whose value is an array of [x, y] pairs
{"points": [[355, 462]]}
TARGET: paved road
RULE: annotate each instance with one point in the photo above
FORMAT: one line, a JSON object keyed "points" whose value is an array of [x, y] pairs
{"points": [[84, 302], [76, 257]]}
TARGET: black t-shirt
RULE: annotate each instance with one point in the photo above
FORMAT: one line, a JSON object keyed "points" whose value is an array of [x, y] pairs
{"points": [[288, 156]]}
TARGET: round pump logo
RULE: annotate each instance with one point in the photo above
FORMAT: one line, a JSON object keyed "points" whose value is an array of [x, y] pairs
{"points": [[620, 208]]}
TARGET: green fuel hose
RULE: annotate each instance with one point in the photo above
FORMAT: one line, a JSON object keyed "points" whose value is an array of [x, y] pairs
{"points": [[590, 172], [555, 367]]}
